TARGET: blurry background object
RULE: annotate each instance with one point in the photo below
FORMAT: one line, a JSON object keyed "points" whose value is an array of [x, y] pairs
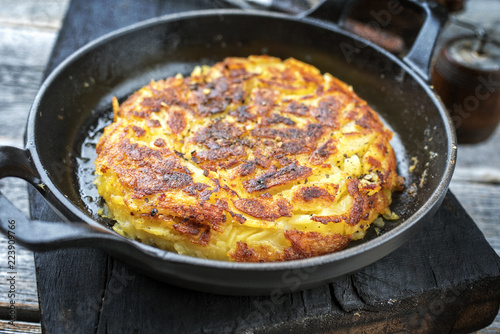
{"points": [[466, 71], [379, 25], [452, 5], [285, 6], [390, 25], [466, 75]]}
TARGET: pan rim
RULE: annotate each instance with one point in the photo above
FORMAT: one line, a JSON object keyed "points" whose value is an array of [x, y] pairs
{"points": [[329, 259]]}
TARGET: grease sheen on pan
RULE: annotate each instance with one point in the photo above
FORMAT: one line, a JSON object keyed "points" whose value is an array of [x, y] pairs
{"points": [[252, 159]]}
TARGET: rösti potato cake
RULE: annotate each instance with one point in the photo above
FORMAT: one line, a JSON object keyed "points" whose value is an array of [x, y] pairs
{"points": [[252, 159]]}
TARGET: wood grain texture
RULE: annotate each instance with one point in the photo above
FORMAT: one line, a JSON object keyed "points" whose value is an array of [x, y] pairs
{"points": [[19, 327], [478, 199], [24, 293], [33, 14], [28, 30], [21, 72], [480, 163]]}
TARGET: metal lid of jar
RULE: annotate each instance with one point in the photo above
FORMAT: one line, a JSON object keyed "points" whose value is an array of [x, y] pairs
{"points": [[477, 53]]}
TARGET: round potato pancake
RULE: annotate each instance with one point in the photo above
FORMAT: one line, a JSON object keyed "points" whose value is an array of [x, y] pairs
{"points": [[253, 159]]}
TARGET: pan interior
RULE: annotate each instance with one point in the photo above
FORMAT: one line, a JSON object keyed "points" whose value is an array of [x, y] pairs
{"points": [[76, 104]]}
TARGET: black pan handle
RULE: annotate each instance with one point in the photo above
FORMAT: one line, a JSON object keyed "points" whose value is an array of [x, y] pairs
{"points": [[18, 163], [38, 235], [419, 57], [42, 236]]}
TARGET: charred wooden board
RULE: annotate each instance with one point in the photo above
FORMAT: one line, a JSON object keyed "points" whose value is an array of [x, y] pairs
{"points": [[445, 279]]}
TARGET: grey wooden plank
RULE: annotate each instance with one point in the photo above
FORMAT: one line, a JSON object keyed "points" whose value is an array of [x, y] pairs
{"points": [[19, 327], [487, 175], [481, 201], [36, 14], [20, 77], [21, 71], [28, 30], [494, 328], [485, 155], [25, 291], [16, 191]]}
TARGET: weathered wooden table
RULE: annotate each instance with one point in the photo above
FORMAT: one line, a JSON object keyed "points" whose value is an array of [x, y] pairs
{"points": [[83, 290]]}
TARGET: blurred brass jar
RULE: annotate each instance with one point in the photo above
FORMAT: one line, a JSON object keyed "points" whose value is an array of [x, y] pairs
{"points": [[466, 75]]}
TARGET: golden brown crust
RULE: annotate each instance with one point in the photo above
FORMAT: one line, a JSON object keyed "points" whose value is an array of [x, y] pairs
{"points": [[264, 209], [303, 245], [253, 159]]}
